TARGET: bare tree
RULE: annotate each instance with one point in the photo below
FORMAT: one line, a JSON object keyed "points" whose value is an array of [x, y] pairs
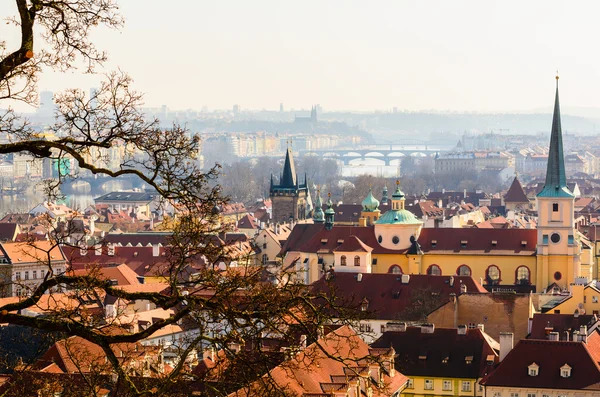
{"points": [[221, 308]]}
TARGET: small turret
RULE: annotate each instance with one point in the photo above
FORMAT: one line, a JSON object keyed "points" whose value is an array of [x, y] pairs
{"points": [[384, 196], [319, 215], [329, 214], [370, 203]]}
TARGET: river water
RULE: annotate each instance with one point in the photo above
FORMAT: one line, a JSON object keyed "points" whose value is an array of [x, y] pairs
{"points": [[79, 197]]}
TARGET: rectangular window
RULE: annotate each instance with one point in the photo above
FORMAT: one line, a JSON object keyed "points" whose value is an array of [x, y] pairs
{"points": [[447, 385], [531, 395], [26, 275], [554, 207], [410, 384], [466, 385], [514, 394], [595, 299], [34, 275], [17, 275], [382, 328], [428, 384]]}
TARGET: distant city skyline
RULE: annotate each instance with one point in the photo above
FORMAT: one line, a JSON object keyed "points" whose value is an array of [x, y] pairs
{"points": [[352, 56]]}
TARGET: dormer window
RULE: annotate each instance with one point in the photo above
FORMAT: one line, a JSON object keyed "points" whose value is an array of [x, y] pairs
{"points": [[463, 244], [494, 242], [433, 243], [565, 371], [469, 359], [533, 369]]}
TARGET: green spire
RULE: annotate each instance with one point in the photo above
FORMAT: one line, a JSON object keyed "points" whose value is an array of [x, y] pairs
{"points": [[319, 216], [556, 179], [329, 214]]}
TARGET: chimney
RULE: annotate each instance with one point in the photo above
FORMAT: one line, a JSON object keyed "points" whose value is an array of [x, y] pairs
{"points": [[576, 336], [92, 224], [427, 328], [98, 249], [567, 336], [506, 344], [553, 336], [463, 288], [465, 193], [462, 329], [481, 327], [362, 221], [156, 249], [209, 353], [451, 281], [302, 341], [583, 333], [359, 277], [395, 327], [405, 278]]}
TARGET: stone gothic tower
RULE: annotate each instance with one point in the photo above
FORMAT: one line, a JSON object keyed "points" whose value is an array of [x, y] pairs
{"points": [[289, 197]]}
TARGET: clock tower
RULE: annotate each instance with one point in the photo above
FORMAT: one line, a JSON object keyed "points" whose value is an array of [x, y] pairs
{"points": [[558, 251]]}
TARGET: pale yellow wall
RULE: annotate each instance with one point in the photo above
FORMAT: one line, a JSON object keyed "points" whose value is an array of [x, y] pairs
{"points": [[479, 264], [586, 296], [419, 387], [523, 392]]}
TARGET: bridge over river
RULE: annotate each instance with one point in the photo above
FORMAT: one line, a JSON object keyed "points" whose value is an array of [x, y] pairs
{"points": [[384, 152]]}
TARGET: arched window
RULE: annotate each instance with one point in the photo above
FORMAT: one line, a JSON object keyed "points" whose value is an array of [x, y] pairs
{"points": [[395, 269], [434, 270], [522, 275], [492, 275], [343, 260], [463, 270], [357, 260]]}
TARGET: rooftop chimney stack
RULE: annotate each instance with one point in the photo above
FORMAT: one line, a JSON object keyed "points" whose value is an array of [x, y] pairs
{"points": [[507, 340]]}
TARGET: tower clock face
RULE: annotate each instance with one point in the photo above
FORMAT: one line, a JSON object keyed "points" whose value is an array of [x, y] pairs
{"points": [[555, 237]]}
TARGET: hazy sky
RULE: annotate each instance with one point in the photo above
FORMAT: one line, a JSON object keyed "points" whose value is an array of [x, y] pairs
{"points": [[352, 55]]}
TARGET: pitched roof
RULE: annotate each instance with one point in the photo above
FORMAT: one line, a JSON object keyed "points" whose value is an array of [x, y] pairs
{"points": [[442, 353], [121, 274], [27, 252], [478, 241], [543, 324], [126, 196], [550, 356], [247, 222], [316, 372], [387, 295], [515, 193], [353, 244]]}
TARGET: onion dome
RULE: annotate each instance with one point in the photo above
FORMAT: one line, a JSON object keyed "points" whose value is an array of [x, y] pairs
{"points": [[370, 203]]}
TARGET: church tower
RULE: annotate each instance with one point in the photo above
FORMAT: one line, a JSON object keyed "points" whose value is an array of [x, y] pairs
{"points": [[289, 197], [557, 249]]}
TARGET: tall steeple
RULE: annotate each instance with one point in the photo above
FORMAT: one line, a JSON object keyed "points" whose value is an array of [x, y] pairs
{"points": [[329, 214], [556, 179], [289, 177]]}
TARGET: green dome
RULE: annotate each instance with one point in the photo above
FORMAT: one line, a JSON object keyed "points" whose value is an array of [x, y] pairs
{"points": [[395, 217], [329, 209], [370, 203]]}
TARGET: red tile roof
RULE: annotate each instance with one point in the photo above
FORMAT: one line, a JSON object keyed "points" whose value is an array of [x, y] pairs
{"points": [[424, 354], [478, 241], [543, 324], [550, 356], [353, 244], [388, 297]]}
